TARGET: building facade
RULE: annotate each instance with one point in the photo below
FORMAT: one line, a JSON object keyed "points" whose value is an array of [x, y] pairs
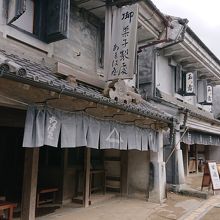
{"points": [[179, 78], [53, 103]]}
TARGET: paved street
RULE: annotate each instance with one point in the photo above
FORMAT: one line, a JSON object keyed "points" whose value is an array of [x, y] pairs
{"points": [[129, 209], [176, 207], [209, 209]]}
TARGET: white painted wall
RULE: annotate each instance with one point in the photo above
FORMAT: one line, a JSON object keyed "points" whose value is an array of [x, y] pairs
{"points": [[26, 21], [80, 49], [82, 40], [138, 171], [164, 76]]}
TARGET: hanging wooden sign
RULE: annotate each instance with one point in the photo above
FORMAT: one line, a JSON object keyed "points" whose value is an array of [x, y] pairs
{"points": [[120, 51], [211, 176], [209, 95], [190, 83]]}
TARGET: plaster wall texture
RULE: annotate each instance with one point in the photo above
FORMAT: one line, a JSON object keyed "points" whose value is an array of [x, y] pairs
{"points": [[138, 171], [81, 49], [164, 76], [82, 40]]}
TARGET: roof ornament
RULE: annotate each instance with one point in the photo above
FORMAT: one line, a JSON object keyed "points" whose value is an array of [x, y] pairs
{"points": [[120, 92]]}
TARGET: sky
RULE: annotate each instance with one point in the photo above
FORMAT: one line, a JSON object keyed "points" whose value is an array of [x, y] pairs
{"points": [[203, 16]]}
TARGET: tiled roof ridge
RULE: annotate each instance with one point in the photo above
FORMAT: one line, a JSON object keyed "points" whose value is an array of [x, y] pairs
{"points": [[194, 111], [42, 76]]}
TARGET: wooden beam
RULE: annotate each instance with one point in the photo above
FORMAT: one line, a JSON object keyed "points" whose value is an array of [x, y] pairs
{"points": [[64, 172], [86, 191], [29, 184], [90, 78]]}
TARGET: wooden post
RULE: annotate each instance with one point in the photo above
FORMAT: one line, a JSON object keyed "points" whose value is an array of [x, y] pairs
{"points": [[186, 159], [196, 157], [65, 173], [86, 191], [124, 173], [29, 184]]}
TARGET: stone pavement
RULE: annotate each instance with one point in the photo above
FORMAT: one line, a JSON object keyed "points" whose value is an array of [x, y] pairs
{"points": [[208, 209], [119, 208], [128, 209]]}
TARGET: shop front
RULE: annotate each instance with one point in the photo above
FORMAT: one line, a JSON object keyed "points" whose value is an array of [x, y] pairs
{"points": [[77, 142], [198, 147]]}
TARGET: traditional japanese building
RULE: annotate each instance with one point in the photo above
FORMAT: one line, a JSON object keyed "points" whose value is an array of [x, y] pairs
{"points": [[63, 128], [179, 78]]}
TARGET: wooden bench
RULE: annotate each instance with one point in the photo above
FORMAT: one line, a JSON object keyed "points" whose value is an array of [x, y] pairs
{"points": [[4, 205], [44, 191]]}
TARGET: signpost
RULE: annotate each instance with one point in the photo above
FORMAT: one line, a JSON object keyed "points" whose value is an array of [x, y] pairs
{"points": [[121, 45], [211, 176]]}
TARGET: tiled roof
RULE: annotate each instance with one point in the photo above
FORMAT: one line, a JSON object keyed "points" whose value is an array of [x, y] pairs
{"points": [[194, 111], [42, 76]]}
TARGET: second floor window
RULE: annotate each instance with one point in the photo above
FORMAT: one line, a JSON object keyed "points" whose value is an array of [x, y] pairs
{"points": [[45, 19]]}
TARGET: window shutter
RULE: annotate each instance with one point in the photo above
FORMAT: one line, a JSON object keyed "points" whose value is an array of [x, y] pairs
{"points": [[178, 79], [205, 93], [15, 9], [202, 84], [40, 11], [57, 20], [190, 83]]}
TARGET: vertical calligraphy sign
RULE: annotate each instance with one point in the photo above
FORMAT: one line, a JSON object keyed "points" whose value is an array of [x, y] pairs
{"points": [[189, 83], [122, 51], [209, 94]]}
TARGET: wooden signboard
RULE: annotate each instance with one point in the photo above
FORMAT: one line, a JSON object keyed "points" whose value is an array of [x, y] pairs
{"points": [[211, 176]]}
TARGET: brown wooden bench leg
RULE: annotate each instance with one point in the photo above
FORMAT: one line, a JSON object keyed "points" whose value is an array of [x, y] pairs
{"points": [[10, 213], [1, 214]]}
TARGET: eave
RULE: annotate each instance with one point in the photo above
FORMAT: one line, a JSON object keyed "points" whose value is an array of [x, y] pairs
{"points": [[193, 57]]}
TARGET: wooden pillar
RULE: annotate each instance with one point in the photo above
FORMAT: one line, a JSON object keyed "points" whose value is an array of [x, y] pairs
{"points": [[186, 159], [86, 191], [124, 173], [65, 173], [196, 157], [29, 184]]}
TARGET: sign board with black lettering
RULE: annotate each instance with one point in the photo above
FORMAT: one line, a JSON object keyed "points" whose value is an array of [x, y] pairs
{"points": [[214, 175], [121, 48], [211, 176]]}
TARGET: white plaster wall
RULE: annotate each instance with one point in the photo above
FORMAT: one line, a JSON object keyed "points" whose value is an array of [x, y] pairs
{"points": [[80, 50], [26, 20], [82, 40], [138, 171], [164, 76]]}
